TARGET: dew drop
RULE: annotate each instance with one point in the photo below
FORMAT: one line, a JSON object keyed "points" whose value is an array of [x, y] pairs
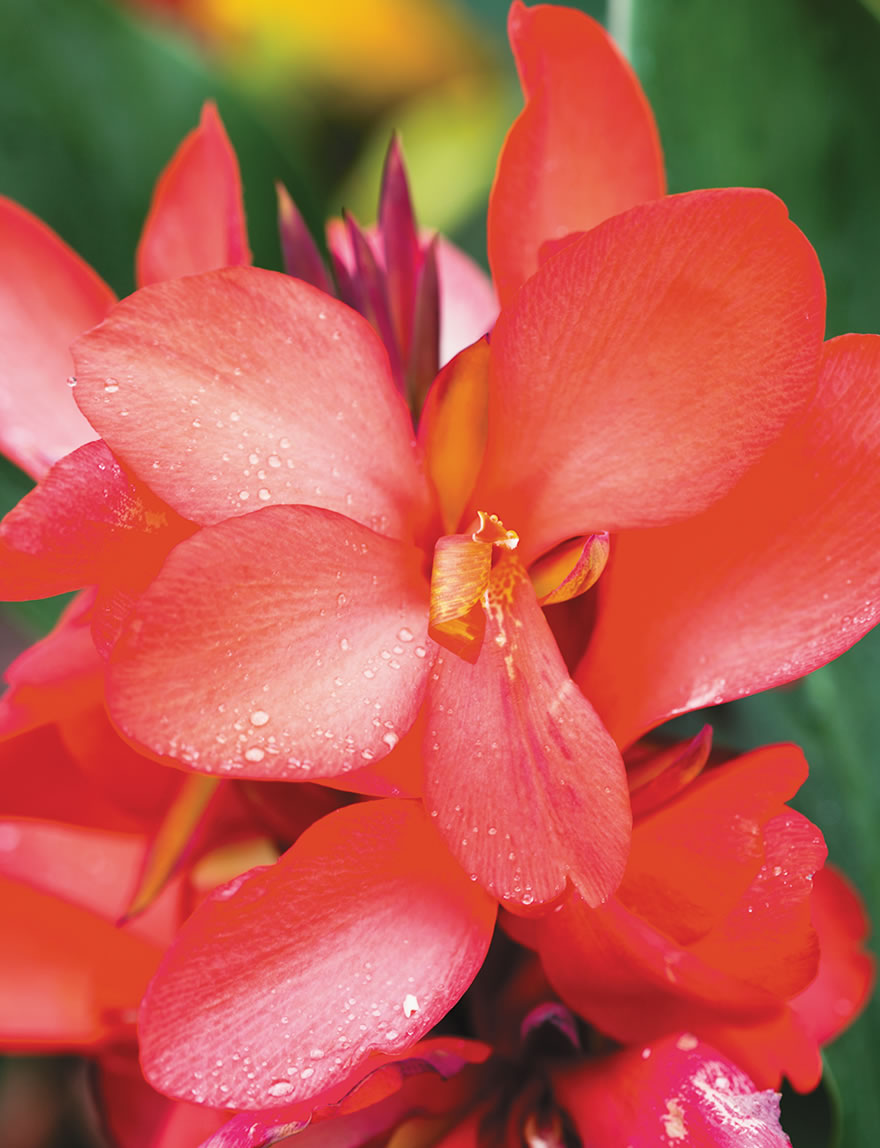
{"points": [[111, 386], [390, 739], [264, 494], [259, 717], [244, 495], [420, 651], [405, 635], [410, 1005], [344, 644], [307, 1072], [341, 599], [280, 1088], [254, 754], [274, 460]]}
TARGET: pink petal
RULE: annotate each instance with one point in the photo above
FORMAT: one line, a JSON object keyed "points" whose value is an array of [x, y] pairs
{"points": [[468, 305], [196, 221], [677, 1090], [777, 579], [419, 1082], [526, 786], [301, 256], [645, 367], [48, 296], [85, 522], [297, 976], [232, 390], [584, 148], [287, 644]]}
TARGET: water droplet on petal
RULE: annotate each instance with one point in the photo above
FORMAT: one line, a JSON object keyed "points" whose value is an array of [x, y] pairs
{"points": [[254, 754], [410, 1005], [280, 1088], [259, 717]]}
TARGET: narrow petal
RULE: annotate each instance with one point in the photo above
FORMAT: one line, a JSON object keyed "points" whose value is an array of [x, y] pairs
{"points": [[775, 580], [301, 256], [240, 388], [677, 1090], [196, 220], [526, 786], [585, 146], [355, 943], [289, 644], [646, 366], [48, 296]]}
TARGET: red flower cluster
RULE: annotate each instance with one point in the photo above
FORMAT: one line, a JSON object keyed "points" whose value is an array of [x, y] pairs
{"points": [[399, 639]]}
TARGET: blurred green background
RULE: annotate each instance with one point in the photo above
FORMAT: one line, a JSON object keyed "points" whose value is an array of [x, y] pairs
{"points": [[95, 96]]}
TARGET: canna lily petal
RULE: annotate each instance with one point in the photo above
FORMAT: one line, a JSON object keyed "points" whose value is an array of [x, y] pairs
{"points": [[68, 978], [526, 786], [430, 1077], [57, 676], [289, 644], [584, 148], [776, 946], [776, 1047], [646, 366], [846, 972], [677, 1090], [299, 976], [468, 304], [240, 388], [196, 220], [691, 615], [692, 860], [48, 296], [85, 519]]}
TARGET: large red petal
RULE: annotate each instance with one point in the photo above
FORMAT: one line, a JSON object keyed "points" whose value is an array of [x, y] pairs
{"points": [[48, 296], [239, 388], [287, 644], [693, 858], [527, 787], [772, 582], [585, 146], [359, 940], [648, 364], [676, 1091], [196, 221]]}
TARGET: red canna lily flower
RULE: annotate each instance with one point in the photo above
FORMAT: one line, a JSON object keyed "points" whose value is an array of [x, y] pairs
{"points": [[293, 584]]}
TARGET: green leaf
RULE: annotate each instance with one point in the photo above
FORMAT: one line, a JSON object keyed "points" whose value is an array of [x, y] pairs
{"points": [[784, 95], [94, 105]]}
